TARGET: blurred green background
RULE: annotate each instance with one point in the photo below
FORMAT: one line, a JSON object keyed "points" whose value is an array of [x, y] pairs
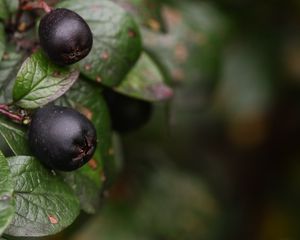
{"points": [[221, 159]]}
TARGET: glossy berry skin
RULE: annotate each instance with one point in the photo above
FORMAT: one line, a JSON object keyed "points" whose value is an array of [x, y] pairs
{"points": [[61, 138], [64, 36], [127, 114]]}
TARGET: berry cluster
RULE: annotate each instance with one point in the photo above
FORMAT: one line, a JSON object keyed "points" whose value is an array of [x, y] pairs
{"points": [[61, 137]]}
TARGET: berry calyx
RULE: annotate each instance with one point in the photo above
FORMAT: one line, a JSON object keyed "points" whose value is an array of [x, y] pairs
{"points": [[64, 36], [61, 138]]}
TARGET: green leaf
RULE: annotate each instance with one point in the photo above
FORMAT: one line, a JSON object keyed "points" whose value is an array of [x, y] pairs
{"points": [[2, 39], [113, 166], [39, 82], [3, 10], [117, 41], [147, 13], [8, 71], [7, 203], [44, 203], [145, 81], [86, 189], [14, 136], [198, 31], [12, 5], [88, 180]]}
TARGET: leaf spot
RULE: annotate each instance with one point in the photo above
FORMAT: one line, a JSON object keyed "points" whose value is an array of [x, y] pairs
{"points": [[105, 55], [56, 74], [98, 79], [103, 177], [131, 33], [53, 219], [95, 7], [5, 56], [86, 112], [92, 164], [111, 151], [161, 91], [181, 53], [154, 25], [87, 67], [178, 74]]}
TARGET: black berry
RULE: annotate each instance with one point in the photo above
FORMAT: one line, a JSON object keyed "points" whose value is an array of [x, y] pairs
{"points": [[61, 137], [64, 36], [127, 114]]}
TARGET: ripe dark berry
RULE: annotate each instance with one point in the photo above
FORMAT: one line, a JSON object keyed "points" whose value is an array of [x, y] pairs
{"points": [[64, 36], [61, 137], [127, 114]]}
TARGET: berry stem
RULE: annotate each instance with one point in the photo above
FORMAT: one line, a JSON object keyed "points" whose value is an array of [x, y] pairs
{"points": [[4, 110], [41, 4], [45, 6]]}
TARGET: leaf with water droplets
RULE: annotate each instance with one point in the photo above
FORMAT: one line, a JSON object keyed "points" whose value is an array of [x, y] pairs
{"points": [[7, 203]]}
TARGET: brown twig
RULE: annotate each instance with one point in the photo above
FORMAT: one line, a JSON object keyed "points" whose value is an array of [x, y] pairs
{"points": [[5, 111], [41, 4]]}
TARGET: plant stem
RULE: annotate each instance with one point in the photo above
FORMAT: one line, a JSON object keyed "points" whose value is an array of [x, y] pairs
{"points": [[4, 110], [45, 6], [41, 4]]}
